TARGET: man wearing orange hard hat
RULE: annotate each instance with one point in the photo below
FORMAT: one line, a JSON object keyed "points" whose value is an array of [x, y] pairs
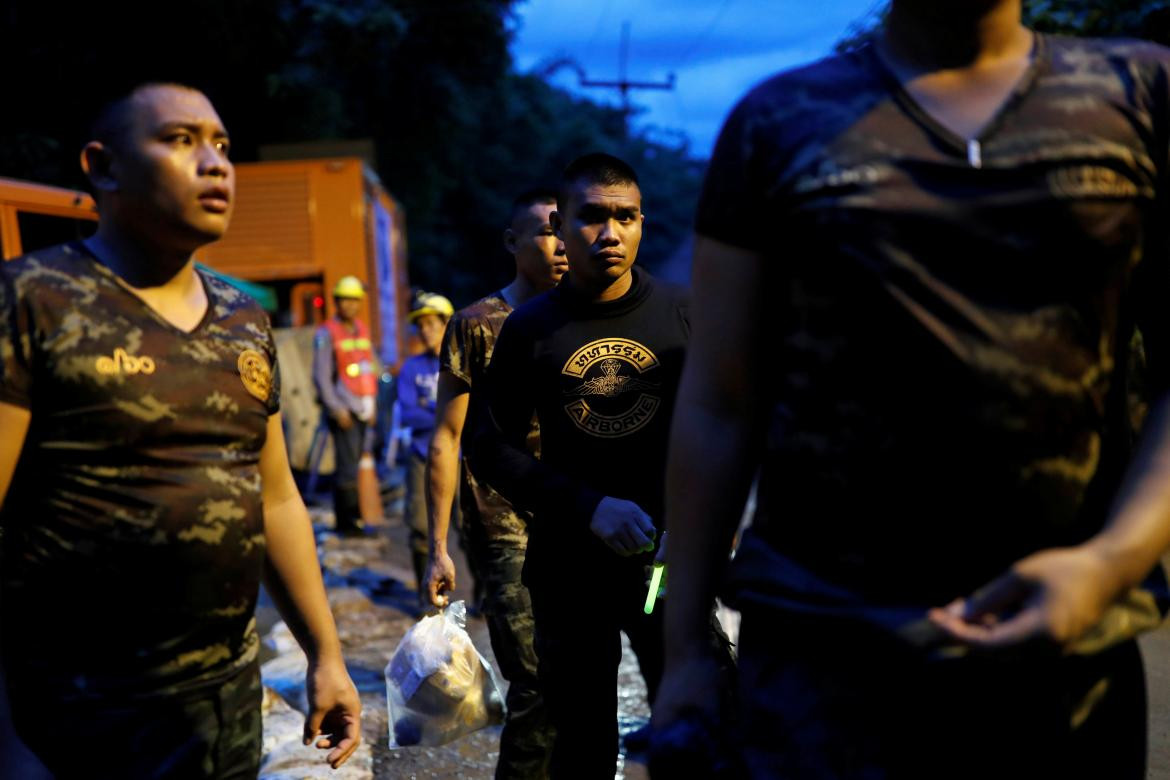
{"points": [[346, 378]]}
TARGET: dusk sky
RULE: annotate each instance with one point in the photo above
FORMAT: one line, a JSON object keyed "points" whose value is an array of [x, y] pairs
{"points": [[717, 50]]}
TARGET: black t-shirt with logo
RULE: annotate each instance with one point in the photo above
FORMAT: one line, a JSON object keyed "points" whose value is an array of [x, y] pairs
{"points": [[133, 536], [953, 316], [602, 380]]}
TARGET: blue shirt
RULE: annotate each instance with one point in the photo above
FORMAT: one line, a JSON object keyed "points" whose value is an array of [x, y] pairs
{"points": [[418, 386]]}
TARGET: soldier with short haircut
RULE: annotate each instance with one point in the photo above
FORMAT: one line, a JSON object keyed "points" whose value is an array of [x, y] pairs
{"points": [[144, 479], [597, 360], [495, 534]]}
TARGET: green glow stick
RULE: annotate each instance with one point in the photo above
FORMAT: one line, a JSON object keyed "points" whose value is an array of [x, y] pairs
{"points": [[655, 582]]}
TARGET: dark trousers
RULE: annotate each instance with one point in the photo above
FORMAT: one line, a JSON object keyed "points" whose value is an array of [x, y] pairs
{"points": [[824, 702], [213, 734], [580, 615], [348, 445], [527, 738], [416, 515]]}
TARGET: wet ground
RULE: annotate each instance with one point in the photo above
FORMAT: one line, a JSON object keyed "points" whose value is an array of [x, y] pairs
{"points": [[370, 584], [370, 589]]}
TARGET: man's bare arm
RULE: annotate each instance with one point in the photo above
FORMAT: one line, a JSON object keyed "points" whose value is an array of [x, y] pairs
{"points": [[292, 576], [442, 476], [1056, 595], [1139, 531], [14, 422], [713, 452]]}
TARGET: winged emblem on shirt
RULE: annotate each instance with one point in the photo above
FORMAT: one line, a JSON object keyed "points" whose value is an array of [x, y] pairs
{"points": [[610, 398]]}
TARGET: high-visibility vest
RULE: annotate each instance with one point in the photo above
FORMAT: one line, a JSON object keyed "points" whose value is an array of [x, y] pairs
{"points": [[354, 356]]}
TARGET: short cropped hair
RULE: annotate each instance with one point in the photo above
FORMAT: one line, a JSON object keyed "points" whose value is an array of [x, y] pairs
{"points": [[595, 168], [530, 197], [112, 121]]}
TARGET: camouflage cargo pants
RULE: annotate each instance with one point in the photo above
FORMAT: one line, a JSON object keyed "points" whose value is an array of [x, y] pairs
{"points": [[205, 734], [844, 701], [526, 742]]}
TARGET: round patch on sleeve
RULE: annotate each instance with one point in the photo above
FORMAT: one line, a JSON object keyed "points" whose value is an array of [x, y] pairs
{"points": [[255, 373]]}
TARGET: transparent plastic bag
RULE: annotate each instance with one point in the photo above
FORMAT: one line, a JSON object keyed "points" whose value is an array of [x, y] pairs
{"points": [[438, 686]]}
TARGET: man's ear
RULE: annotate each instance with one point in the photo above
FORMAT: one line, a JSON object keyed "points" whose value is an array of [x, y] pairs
{"points": [[98, 163], [510, 241], [554, 219]]}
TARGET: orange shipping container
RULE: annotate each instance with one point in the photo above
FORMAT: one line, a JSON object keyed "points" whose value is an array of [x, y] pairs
{"points": [[33, 216], [302, 225]]}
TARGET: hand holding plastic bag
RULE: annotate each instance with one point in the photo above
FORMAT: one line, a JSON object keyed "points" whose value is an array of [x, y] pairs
{"points": [[438, 686]]}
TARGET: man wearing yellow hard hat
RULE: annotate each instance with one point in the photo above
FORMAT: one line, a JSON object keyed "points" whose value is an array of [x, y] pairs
{"points": [[346, 378], [418, 383]]}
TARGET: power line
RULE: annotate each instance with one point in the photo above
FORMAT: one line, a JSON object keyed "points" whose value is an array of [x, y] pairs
{"points": [[623, 84], [700, 38], [600, 23]]}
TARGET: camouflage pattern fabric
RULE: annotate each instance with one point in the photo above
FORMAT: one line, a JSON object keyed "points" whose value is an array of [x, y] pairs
{"points": [[527, 740], [951, 319], [213, 734], [811, 710], [496, 538], [466, 352], [133, 535]]}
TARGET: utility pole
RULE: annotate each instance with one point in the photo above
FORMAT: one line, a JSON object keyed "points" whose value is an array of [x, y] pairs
{"points": [[623, 84]]}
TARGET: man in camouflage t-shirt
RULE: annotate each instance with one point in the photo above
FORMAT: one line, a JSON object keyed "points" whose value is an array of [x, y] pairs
{"points": [[496, 535], [919, 269], [144, 479]]}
